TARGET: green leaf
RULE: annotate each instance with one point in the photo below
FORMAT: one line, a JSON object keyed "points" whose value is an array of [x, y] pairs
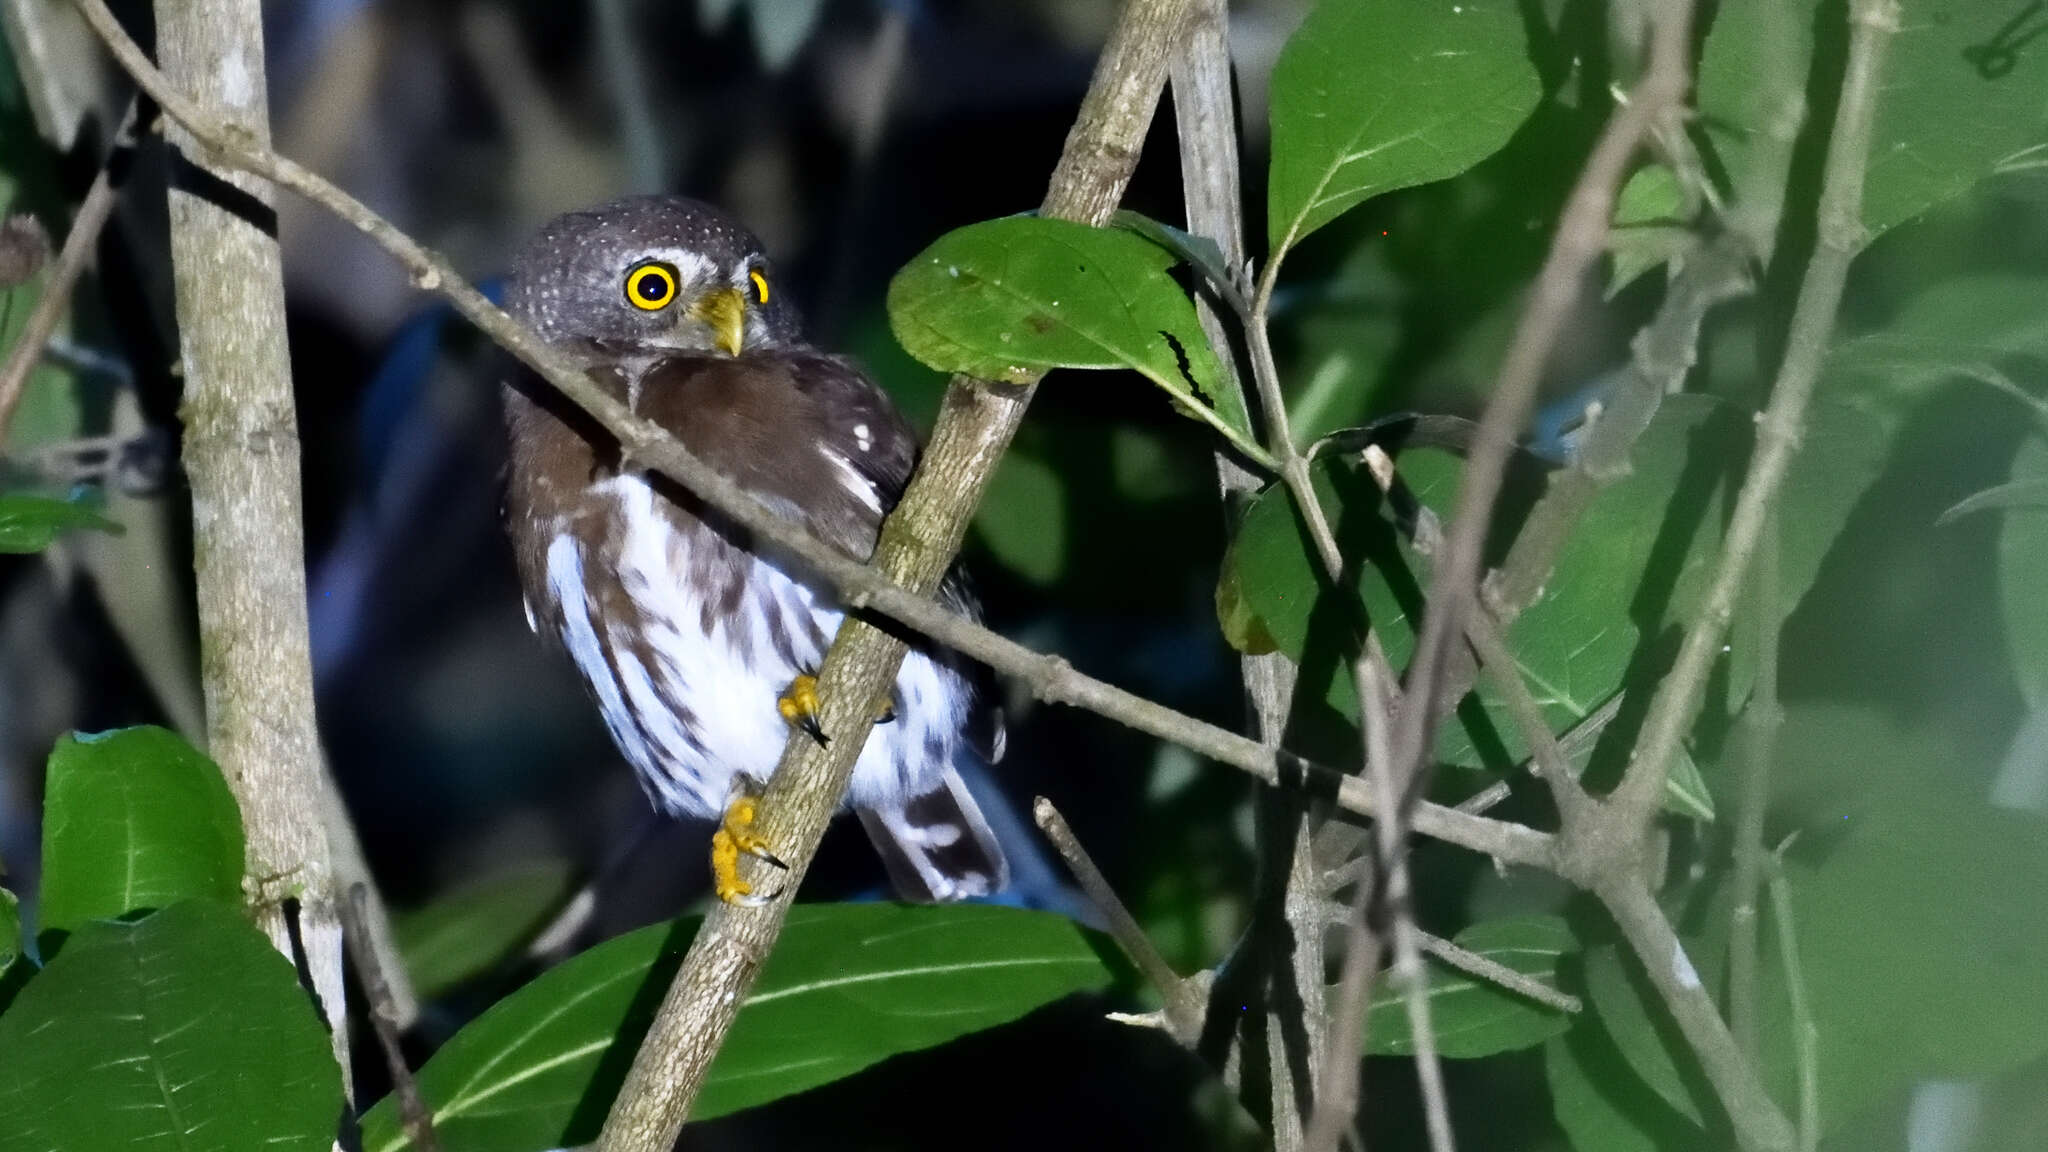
{"points": [[1920, 962], [135, 819], [1473, 1017], [184, 1031], [30, 523], [1648, 230], [2023, 575], [1641, 1028], [1951, 107], [468, 931], [1023, 519], [848, 985], [1373, 95], [1647, 533], [1872, 384], [1602, 1104], [1008, 299]]}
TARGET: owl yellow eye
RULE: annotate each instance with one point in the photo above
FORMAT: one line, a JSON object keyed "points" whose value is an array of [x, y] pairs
{"points": [[760, 286], [651, 286]]}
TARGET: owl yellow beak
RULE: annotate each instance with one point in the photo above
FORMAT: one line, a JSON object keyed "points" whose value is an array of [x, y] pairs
{"points": [[724, 311]]}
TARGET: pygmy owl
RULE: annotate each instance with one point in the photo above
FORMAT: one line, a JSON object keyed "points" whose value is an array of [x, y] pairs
{"points": [[700, 647]]}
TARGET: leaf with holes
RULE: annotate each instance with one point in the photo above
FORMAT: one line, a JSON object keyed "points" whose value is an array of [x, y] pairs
{"points": [[1470, 1015], [184, 1031], [848, 985], [1009, 299], [135, 819], [1373, 95], [30, 523]]}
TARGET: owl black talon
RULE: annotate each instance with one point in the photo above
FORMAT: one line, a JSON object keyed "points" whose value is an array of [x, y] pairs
{"points": [[799, 707], [733, 840]]}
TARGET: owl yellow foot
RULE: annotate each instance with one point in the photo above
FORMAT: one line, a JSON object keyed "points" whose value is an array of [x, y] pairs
{"points": [[799, 707], [728, 844]]}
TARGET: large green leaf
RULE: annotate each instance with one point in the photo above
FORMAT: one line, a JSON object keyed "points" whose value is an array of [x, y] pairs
{"points": [[1373, 95], [1603, 1105], [1640, 1028], [135, 819], [1008, 299], [1919, 963], [848, 985], [464, 933], [1961, 95], [1923, 959], [1472, 1017], [184, 1031], [1638, 557], [2023, 576], [30, 523]]}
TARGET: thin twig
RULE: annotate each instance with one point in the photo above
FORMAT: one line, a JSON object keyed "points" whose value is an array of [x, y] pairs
{"points": [[1758, 732], [1184, 1004], [56, 298], [1494, 972], [1348, 1020], [1805, 1035], [1677, 702], [861, 586], [413, 1113]]}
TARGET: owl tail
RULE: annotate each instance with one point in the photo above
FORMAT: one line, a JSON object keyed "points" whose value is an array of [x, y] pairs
{"points": [[937, 847]]}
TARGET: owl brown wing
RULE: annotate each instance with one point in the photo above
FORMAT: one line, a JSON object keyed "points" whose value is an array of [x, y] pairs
{"points": [[806, 432]]}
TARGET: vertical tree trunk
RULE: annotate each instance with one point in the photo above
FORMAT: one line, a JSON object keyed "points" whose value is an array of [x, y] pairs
{"points": [[242, 457]]}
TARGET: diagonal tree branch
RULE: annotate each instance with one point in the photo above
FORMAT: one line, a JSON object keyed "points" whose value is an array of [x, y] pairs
{"points": [[918, 542]]}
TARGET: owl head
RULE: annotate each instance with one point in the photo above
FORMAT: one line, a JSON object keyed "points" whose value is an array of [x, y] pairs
{"points": [[651, 275]]}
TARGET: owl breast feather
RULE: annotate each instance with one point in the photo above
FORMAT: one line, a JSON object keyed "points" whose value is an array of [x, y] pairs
{"points": [[687, 640]]}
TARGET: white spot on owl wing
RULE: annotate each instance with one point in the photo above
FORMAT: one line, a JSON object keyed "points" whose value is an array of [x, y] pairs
{"points": [[855, 481], [565, 579], [864, 436]]}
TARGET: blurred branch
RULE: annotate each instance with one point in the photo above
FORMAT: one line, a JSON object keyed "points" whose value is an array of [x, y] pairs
{"points": [[372, 939], [1758, 730], [626, 82], [862, 586], [56, 298], [414, 1114], [1805, 1036], [241, 455]]}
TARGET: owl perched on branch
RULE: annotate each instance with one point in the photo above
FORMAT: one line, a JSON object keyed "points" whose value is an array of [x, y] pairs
{"points": [[700, 648]]}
